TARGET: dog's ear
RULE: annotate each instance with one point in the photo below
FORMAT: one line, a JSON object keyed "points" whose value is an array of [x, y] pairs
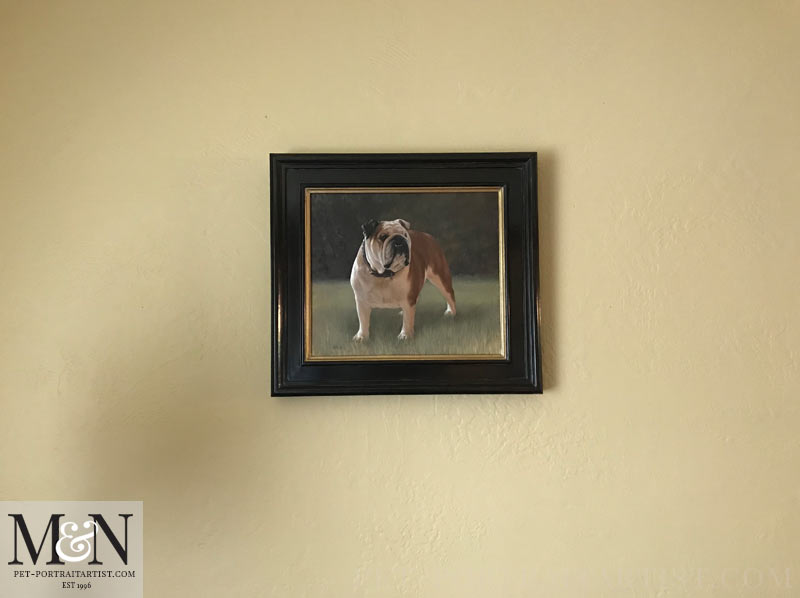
{"points": [[368, 228], [405, 223]]}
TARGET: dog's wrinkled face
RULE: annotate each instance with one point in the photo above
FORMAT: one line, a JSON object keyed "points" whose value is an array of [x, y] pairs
{"points": [[387, 244]]}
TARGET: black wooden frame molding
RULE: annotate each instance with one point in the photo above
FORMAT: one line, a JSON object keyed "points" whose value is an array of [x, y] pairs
{"points": [[520, 372]]}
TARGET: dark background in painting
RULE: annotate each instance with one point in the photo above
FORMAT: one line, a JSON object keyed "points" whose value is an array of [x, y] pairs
{"points": [[464, 223]]}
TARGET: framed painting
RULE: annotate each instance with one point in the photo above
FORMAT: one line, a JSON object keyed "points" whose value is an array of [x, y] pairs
{"points": [[404, 273]]}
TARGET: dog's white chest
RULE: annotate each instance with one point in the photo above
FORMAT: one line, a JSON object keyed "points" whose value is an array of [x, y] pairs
{"points": [[377, 291]]}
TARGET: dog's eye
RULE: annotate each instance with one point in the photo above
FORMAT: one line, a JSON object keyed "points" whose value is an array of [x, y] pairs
{"points": [[383, 237]]}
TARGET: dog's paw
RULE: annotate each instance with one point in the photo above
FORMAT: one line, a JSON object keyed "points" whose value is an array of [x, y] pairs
{"points": [[402, 336], [360, 338], [449, 312]]}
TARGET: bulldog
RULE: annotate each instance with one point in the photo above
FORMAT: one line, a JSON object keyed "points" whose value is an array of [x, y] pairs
{"points": [[390, 268]]}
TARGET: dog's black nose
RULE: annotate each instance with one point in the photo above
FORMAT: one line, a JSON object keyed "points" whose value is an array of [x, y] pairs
{"points": [[398, 242]]}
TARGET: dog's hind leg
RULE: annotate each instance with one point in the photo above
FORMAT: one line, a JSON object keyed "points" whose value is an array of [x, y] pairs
{"points": [[444, 282]]}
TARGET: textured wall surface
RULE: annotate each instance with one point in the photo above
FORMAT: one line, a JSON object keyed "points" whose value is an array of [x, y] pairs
{"points": [[662, 459]]}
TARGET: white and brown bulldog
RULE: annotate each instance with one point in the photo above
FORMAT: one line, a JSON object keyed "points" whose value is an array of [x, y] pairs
{"points": [[390, 268]]}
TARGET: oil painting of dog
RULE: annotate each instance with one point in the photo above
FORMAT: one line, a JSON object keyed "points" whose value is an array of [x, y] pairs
{"points": [[390, 268], [373, 255]]}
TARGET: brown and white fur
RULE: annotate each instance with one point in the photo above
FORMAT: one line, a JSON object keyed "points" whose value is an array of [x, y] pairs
{"points": [[391, 266]]}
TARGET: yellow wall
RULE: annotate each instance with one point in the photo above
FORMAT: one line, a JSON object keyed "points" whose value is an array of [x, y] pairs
{"points": [[134, 299]]}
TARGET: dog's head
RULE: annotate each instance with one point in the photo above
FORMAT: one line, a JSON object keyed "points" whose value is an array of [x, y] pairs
{"points": [[387, 245]]}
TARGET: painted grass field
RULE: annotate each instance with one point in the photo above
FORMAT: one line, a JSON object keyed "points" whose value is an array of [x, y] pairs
{"points": [[474, 330]]}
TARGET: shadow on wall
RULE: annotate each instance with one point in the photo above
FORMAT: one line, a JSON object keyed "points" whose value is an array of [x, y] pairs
{"points": [[548, 265], [177, 402], [548, 199]]}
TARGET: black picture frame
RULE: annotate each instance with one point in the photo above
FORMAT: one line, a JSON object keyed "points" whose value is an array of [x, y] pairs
{"points": [[520, 371]]}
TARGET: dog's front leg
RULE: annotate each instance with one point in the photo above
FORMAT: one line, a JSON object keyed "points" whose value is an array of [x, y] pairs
{"points": [[408, 322], [363, 321]]}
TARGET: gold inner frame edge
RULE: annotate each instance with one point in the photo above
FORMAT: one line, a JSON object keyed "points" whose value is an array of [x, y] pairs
{"points": [[407, 356]]}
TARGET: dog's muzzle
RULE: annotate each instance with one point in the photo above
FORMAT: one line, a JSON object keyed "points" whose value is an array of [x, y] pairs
{"points": [[399, 246]]}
